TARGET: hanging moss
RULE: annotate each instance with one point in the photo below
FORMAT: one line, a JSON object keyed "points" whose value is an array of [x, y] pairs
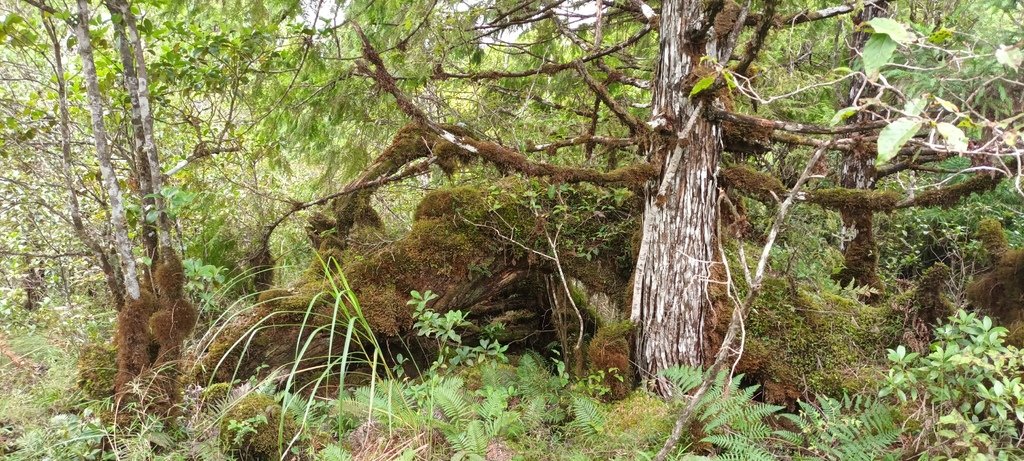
{"points": [[134, 339], [860, 258], [726, 19], [854, 199], [97, 368], [608, 352], [748, 180], [932, 305], [169, 274], [270, 429]]}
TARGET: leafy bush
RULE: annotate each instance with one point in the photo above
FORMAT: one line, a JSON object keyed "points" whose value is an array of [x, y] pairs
{"points": [[967, 392]]}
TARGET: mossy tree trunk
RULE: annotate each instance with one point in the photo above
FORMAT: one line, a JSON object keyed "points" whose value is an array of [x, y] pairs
{"points": [[670, 293], [156, 316], [857, 171]]}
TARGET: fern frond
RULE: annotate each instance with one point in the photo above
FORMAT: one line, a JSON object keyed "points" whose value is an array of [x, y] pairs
{"points": [[588, 417]]}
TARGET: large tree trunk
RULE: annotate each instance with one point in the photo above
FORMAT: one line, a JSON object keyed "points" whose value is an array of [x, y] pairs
{"points": [[857, 171], [670, 293]]}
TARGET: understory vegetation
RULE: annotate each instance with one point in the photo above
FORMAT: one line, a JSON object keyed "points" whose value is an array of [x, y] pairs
{"points": [[496, 230]]}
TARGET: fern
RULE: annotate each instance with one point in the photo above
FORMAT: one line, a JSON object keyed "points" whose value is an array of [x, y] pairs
{"points": [[449, 396], [852, 429], [588, 418], [470, 443], [735, 424]]}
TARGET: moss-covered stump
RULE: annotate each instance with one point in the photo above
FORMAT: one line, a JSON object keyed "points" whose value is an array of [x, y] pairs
{"points": [[800, 343], [477, 248], [97, 368], [1000, 290], [608, 356], [256, 429]]}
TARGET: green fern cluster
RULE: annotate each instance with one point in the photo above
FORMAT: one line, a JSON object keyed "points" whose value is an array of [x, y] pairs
{"points": [[733, 423], [741, 429], [856, 429]]}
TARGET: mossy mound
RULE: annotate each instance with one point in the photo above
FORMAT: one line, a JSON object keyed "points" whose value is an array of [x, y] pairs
{"points": [[255, 429], [801, 343], [1000, 290], [608, 352], [97, 370], [475, 247], [215, 392]]}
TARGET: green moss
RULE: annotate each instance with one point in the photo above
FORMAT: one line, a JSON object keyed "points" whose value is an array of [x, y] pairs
{"points": [[993, 239], [748, 180], [999, 290], [270, 430], [854, 199], [215, 392], [948, 196], [445, 203], [639, 420], [860, 259], [97, 367], [608, 351], [932, 306], [800, 342]]}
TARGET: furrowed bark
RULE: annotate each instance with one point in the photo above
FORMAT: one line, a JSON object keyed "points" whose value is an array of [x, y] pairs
{"points": [[670, 297], [117, 214]]}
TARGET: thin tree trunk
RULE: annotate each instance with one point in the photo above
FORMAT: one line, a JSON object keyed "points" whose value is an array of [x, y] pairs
{"points": [[109, 272], [857, 171], [146, 111], [117, 214], [150, 239], [670, 296]]}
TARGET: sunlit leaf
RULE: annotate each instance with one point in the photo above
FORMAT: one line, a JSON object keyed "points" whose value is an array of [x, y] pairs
{"points": [[842, 115], [1010, 57], [893, 29], [703, 84], [877, 52], [955, 137], [894, 136]]}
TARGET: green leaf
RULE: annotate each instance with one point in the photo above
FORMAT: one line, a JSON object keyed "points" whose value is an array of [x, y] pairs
{"points": [[893, 29], [877, 52], [947, 105], [894, 136], [915, 106], [842, 114], [955, 137], [730, 79], [703, 84]]}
